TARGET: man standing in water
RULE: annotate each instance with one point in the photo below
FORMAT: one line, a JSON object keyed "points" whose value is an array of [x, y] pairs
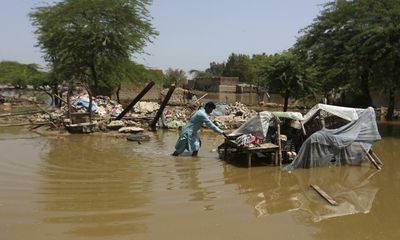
{"points": [[189, 138]]}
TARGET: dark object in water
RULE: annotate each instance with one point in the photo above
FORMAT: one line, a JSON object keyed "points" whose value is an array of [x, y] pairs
{"points": [[138, 137]]}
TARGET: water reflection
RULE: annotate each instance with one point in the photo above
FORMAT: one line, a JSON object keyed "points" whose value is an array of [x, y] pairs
{"points": [[389, 129], [93, 184], [282, 191]]}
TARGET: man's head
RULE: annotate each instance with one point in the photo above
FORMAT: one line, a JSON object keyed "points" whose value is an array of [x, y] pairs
{"points": [[209, 107]]}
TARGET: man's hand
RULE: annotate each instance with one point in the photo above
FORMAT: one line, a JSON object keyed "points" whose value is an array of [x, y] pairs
{"points": [[226, 136]]}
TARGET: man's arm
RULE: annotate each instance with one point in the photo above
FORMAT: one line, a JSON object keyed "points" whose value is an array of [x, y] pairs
{"points": [[211, 125]]}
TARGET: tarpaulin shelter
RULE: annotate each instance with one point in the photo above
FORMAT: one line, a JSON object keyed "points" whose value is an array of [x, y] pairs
{"points": [[258, 125], [328, 116], [347, 144], [252, 138]]}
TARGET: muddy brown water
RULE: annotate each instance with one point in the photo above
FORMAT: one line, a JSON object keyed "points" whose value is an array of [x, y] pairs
{"points": [[100, 187]]}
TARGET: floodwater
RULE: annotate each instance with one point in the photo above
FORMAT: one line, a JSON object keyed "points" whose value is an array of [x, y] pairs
{"points": [[102, 187]]}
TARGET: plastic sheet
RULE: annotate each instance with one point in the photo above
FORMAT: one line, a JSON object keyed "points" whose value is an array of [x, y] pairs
{"points": [[344, 145]]}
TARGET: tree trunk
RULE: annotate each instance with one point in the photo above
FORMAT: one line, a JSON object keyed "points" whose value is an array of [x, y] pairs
{"points": [[391, 104], [364, 86], [286, 103], [117, 93], [95, 76], [54, 89], [90, 103]]}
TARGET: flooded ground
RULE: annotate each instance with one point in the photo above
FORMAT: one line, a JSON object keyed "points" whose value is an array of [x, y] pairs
{"points": [[99, 187]]}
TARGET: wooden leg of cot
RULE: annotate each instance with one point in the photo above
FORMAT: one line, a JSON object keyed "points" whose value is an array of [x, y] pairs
{"points": [[225, 151], [375, 157], [248, 155], [370, 158]]}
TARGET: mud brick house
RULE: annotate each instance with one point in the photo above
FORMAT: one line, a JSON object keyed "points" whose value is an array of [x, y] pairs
{"points": [[216, 84]]}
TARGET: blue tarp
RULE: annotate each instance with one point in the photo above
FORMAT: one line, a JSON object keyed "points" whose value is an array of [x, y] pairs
{"points": [[83, 103]]}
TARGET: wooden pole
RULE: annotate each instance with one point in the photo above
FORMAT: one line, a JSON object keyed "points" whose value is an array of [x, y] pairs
{"points": [[198, 100], [135, 100], [161, 109], [69, 103], [372, 160], [324, 195], [279, 140], [376, 157]]}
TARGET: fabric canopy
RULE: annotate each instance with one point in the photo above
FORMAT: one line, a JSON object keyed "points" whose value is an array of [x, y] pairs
{"points": [[344, 145], [259, 124]]}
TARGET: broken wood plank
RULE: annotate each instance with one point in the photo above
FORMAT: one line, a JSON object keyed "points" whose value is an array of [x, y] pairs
{"points": [[324, 195]]}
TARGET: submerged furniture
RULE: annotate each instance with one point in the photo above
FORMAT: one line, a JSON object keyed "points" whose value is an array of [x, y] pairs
{"points": [[262, 125], [250, 150], [263, 148]]}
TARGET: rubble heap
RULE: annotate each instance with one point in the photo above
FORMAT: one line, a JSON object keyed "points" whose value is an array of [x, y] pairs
{"points": [[233, 116], [104, 111]]}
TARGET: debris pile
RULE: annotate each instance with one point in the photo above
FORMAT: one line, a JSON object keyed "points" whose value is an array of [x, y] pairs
{"points": [[104, 112], [232, 116], [101, 105]]}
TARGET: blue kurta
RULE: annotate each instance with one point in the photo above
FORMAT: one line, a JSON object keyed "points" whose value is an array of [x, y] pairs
{"points": [[189, 138]]}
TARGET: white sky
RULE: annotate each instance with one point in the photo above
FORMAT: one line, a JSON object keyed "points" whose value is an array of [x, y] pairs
{"points": [[193, 33]]}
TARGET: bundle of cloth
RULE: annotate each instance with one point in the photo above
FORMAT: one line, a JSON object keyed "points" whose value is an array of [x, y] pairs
{"points": [[247, 139]]}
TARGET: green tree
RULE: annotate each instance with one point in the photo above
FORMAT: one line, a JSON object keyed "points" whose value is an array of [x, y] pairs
{"points": [[356, 43], [20, 75], [259, 62], [131, 72], [88, 40], [239, 65], [176, 76], [284, 74], [215, 70]]}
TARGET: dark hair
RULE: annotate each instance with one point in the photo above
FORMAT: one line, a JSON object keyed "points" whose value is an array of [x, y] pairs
{"points": [[210, 105]]}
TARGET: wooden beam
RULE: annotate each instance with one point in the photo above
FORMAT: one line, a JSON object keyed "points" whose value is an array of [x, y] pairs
{"points": [[135, 100], [161, 109], [324, 195]]}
